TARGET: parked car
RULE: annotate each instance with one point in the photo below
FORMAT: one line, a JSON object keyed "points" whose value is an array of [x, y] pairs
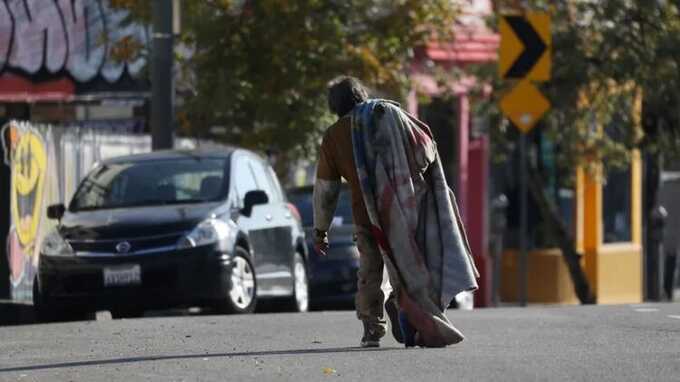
{"points": [[332, 278], [169, 229]]}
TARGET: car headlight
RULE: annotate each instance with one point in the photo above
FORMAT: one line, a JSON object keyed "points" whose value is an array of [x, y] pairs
{"points": [[210, 232], [55, 245]]}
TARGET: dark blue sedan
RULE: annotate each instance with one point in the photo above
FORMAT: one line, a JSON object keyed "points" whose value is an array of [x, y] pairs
{"points": [[333, 278]]}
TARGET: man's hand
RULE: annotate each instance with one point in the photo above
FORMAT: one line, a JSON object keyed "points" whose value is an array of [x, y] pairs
{"points": [[320, 242]]}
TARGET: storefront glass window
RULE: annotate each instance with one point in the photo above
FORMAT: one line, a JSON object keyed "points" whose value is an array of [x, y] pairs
{"points": [[616, 206], [558, 187], [441, 114]]}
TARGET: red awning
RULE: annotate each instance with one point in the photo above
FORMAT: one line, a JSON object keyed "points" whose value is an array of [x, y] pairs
{"points": [[14, 88], [466, 48]]}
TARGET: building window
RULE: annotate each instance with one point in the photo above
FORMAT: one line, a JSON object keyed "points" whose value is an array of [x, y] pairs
{"points": [[442, 115], [616, 206], [558, 187]]}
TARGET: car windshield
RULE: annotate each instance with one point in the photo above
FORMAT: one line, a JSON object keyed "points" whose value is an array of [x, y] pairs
{"points": [[303, 201], [150, 183]]}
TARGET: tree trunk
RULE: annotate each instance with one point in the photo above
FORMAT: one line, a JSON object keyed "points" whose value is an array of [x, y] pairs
{"points": [[651, 125], [571, 257], [652, 231]]}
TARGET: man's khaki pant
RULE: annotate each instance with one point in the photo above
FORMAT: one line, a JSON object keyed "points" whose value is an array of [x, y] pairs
{"points": [[370, 297]]}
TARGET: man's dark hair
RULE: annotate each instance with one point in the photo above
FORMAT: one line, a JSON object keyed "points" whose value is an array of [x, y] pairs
{"points": [[344, 93]]}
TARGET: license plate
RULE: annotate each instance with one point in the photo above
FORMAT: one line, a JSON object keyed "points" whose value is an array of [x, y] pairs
{"points": [[123, 275]]}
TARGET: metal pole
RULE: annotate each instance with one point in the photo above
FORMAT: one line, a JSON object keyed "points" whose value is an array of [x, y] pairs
{"points": [[162, 84], [499, 208], [523, 220]]}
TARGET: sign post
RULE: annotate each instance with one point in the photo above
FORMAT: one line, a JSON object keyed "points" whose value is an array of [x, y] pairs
{"points": [[523, 220], [162, 81], [525, 56]]}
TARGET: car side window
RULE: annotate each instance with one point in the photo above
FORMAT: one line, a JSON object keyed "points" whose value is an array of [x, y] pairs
{"points": [[264, 182], [274, 181], [243, 177]]}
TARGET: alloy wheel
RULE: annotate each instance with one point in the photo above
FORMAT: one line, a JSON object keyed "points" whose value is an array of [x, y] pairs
{"points": [[301, 285], [242, 283]]}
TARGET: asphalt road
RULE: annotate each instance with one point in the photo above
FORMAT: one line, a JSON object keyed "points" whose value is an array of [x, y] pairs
{"points": [[603, 343]]}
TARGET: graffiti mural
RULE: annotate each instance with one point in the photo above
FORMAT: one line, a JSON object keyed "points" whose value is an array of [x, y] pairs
{"points": [[28, 158], [66, 36], [46, 163]]}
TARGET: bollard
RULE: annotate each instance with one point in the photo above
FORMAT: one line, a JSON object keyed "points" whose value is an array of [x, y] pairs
{"points": [[655, 253], [672, 272]]}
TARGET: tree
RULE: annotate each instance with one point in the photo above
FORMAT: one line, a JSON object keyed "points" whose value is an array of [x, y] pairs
{"points": [[260, 68], [605, 54]]}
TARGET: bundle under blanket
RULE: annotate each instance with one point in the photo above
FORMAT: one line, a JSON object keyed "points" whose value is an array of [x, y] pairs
{"points": [[414, 216]]}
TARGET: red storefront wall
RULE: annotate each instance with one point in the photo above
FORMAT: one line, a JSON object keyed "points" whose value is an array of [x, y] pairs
{"points": [[478, 214]]}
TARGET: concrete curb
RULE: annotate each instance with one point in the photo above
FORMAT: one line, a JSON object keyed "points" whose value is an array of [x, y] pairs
{"points": [[16, 313]]}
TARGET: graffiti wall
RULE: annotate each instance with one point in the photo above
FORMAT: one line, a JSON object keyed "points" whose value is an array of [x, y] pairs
{"points": [[66, 37], [46, 163]]}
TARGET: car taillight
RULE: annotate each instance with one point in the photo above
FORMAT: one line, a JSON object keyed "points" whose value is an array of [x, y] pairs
{"points": [[294, 211]]}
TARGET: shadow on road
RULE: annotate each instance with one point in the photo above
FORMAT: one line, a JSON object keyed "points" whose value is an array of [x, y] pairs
{"points": [[21, 313], [114, 361]]}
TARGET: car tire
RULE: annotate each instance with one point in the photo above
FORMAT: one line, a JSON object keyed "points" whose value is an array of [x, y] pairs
{"points": [[242, 295], [299, 302], [46, 312]]}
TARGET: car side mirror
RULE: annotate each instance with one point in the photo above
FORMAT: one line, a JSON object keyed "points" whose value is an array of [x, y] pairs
{"points": [[252, 199], [56, 211]]}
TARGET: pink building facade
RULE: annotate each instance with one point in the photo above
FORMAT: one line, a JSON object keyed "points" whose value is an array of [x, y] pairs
{"points": [[464, 151]]}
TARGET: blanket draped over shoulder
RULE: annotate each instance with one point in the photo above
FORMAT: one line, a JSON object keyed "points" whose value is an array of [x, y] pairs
{"points": [[414, 216]]}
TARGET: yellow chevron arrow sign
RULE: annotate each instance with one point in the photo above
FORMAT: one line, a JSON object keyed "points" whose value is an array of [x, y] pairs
{"points": [[525, 46]]}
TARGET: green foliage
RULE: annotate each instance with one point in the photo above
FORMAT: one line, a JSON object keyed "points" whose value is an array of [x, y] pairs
{"points": [[260, 68]]}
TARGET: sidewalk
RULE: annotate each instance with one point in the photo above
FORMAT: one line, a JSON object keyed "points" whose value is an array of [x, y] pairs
{"points": [[16, 313]]}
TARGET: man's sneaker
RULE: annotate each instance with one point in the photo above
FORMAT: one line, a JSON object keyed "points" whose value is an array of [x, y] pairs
{"points": [[393, 314], [372, 334]]}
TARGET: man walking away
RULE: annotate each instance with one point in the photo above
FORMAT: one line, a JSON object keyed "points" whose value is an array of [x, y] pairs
{"points": [[405, 216], [336, 161]]}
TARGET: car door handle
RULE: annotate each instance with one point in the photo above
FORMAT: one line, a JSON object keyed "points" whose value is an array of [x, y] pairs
{"points": [[288, 215], [268, 218]]}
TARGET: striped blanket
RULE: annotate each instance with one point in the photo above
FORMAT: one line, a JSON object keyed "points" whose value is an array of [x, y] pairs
{"points": [[413, 215]]}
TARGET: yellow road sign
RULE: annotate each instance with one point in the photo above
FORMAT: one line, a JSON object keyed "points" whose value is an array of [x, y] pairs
{"points": [[524, 105], [525, 46]]}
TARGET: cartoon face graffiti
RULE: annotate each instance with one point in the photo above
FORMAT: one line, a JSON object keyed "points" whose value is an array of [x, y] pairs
{"points": [[27, 159], [28, 177]]}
